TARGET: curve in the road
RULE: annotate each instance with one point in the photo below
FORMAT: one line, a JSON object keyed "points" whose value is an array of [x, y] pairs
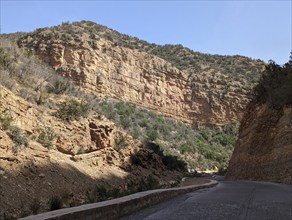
{"points": [[242, 200]]}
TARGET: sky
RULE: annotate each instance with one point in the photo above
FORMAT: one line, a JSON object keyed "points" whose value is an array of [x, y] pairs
{"points": [[256, 29]]}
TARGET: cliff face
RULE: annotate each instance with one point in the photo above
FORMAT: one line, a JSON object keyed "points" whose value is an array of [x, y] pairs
{"points": [[115, 72], [102, 67], [264, 147]]}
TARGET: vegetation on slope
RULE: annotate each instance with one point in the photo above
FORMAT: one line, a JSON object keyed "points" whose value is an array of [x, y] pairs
{"points": [[275, 85], [27, 77], [263, 151], [202, 148], [238, 68]]}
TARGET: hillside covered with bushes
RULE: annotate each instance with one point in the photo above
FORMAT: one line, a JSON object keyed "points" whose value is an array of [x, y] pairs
{"points": [[89, 114], [263, 151]]}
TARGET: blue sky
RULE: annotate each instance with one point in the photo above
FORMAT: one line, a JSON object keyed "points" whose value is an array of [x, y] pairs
{"points": [[256, 29]]}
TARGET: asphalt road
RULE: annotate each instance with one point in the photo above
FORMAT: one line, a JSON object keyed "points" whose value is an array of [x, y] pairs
{"points": [[228, 200]]}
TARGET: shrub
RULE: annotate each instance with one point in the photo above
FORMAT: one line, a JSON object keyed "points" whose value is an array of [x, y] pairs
{"points": [[99, 193], [148, 183], [65, 198], [17, 136], [5, 60], [185, 148], [174, 163], [59, 86], [206, 134], [155, 147], [35, 206], [136, 160], [27, 94], [46, 135], [274, 87], [114, 192], [55, 203], [120, 143], [144, 123], [5, 120], [125, 121], [152, 135], [72, 110], [136, 133], [8, 216], [80, 150], [222, 171], [231, 129], [213, 144], [5, 80]]}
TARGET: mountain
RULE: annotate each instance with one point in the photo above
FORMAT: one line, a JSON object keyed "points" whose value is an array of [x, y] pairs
{"points": [[134, 118], [263, 151], [57, 150], [199, 89]]}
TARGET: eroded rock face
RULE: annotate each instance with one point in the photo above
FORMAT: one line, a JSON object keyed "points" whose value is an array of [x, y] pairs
{"points": [[101, 135], [82, 155], [112, 71], [264, 147], [22, 112]]}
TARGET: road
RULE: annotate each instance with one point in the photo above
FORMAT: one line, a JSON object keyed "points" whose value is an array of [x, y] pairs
{"points": [[241, 200]]}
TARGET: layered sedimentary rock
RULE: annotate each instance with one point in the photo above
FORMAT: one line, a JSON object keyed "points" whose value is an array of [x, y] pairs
{"points": [[264, 147], [108, 70]]}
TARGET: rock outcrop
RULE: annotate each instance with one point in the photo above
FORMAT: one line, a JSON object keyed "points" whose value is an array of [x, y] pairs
{"points": [[263, 150], [83, 155], [208, 98]]}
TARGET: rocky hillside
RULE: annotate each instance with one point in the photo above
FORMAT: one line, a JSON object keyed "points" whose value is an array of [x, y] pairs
{"points": [[57, 150], [64, 144], [264, 147], [43, 157], [200, 89]]}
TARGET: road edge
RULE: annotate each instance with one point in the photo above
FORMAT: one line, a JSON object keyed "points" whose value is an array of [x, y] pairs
{"points": [[117, 208]]}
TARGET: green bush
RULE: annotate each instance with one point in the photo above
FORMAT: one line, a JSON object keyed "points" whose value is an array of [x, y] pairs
{"points": [[174, 163], [148, 183], [210, 145], [120, 143], [72, 110], [125, 121], [185, 148], [206, 134], [46, 135], [144, 123], [28, 95], [136, 133], [274, 87], [80, 150], [5, 60], [55, 203], [136, 160], [17, 136], [99, 193], [5, 120], [155, 147], [152, 135], [59, 86]]}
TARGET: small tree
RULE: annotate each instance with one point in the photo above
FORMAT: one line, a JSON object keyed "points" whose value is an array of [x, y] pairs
{"points": [[72, 110], [5, 121], [46, 136]]}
